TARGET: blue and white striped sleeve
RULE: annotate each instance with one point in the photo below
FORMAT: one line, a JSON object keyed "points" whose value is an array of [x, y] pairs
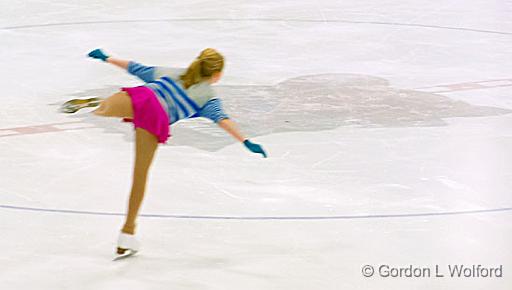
{"points": [[213, 111], [145, 73]]}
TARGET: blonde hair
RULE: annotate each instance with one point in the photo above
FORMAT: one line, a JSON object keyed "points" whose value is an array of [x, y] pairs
{"points": [[204, 66]]}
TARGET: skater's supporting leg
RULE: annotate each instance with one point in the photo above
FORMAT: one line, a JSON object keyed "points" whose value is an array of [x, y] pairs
{"points": [[145, 147], [117, 105]]}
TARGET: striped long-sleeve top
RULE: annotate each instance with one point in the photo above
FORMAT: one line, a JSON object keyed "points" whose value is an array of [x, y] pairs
{"points": [[179, 103]]}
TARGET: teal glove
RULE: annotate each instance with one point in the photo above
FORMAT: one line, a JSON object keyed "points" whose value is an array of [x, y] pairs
{"points": [[255, 148], [98, 54]]}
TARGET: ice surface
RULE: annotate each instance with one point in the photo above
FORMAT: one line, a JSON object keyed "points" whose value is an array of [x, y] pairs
{"points": [[387, 123]]}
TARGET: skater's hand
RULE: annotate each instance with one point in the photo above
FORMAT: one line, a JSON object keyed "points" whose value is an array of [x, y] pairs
{"points": [[255, 148], [230, 126], [98, 54]]}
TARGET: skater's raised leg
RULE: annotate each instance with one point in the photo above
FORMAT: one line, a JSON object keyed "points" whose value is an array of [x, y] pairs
{"points": [[117, 105]]}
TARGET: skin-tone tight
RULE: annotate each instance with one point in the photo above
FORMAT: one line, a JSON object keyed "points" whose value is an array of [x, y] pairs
{"points": [[120, 105]]}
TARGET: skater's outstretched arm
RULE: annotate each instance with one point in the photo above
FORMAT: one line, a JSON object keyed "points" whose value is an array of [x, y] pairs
{"points": [[231, 127], [100, 54], [145, 73], [213, 110], [118, 62]]}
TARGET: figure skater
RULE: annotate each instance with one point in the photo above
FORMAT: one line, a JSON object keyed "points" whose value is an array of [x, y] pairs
{"points": [[168, 95]]}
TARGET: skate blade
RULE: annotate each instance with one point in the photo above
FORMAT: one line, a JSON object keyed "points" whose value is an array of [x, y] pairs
{"points": [[126, 254]]}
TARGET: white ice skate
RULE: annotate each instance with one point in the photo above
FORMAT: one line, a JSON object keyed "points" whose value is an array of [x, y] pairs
{"points": [[74, 105], [127, 245]]}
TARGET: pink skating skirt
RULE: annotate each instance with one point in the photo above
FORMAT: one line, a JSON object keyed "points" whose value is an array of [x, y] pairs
{"points": [[148, 113]]}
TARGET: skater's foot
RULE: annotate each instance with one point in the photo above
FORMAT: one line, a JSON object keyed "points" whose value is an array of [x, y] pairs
{"points": [[76, 104], [127, 242]]}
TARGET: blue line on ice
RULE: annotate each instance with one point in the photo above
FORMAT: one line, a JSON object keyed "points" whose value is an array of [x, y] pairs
{"points": [[212, 217]]}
